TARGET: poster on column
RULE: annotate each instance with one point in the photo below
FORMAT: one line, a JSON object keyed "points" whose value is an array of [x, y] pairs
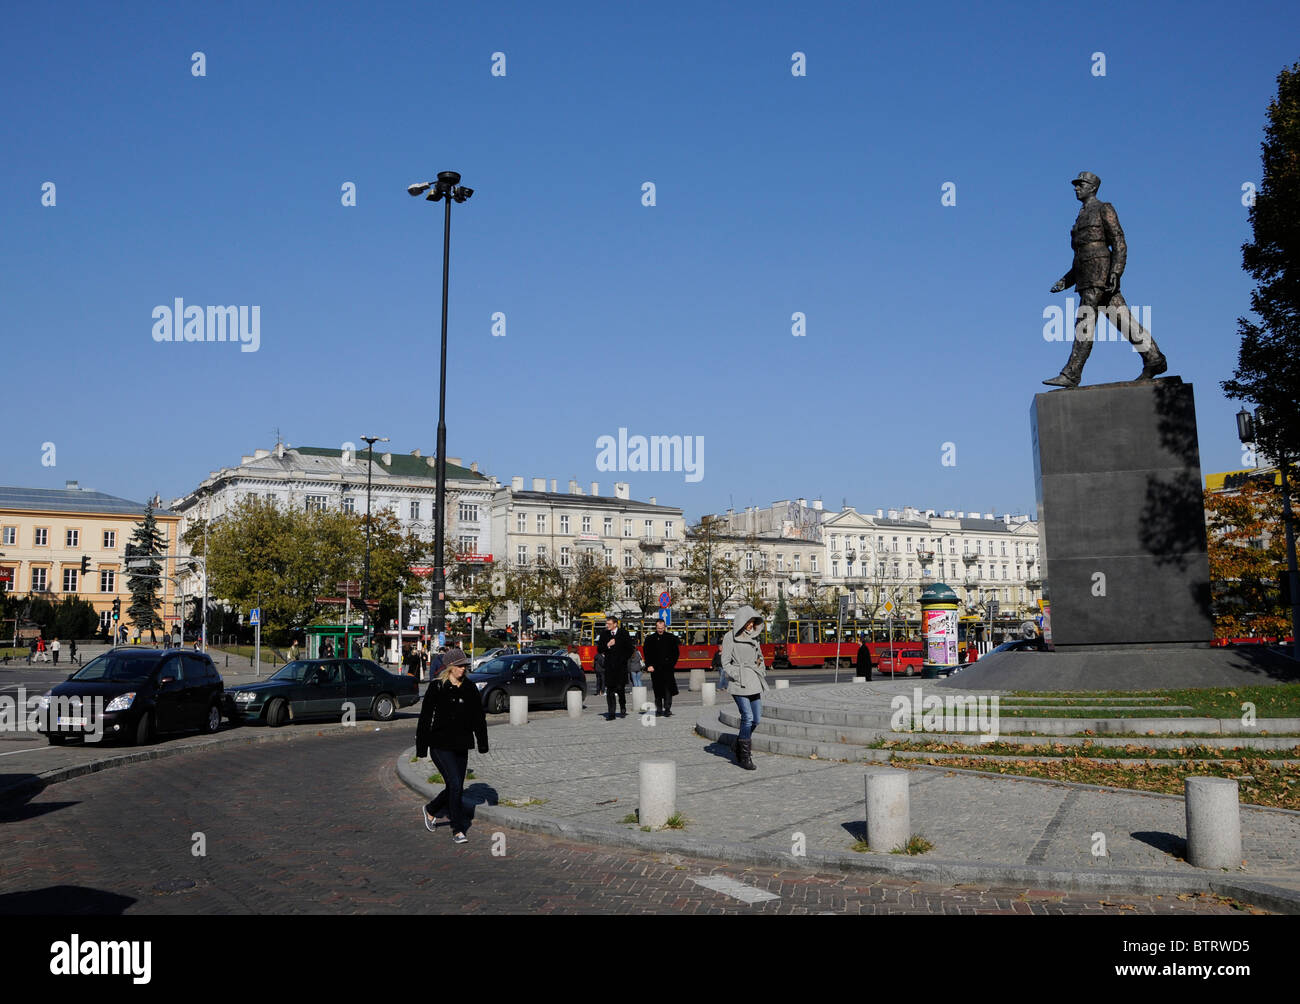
{"points": [[941, 637]]}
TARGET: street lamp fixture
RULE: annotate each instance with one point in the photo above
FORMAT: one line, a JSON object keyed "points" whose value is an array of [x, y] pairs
{"points": [[370, 442], [446, 189]]}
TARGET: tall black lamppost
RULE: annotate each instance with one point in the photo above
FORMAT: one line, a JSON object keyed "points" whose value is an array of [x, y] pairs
{"points": [[1246, 423], [446, 189], [370, 442]]}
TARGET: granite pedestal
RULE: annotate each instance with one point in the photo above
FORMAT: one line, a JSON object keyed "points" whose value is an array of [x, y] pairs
{"points": [[1122, 546]]}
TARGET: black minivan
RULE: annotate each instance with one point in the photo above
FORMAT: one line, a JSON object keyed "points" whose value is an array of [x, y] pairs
{"points": [[134, 694]]}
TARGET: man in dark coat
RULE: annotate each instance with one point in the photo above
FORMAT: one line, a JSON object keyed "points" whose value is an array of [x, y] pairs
{"points": [[616, 644], [864, 658], [661, 653]]}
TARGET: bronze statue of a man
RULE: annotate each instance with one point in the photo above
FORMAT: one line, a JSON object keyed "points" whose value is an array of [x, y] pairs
{"points": [[1099, 258]]}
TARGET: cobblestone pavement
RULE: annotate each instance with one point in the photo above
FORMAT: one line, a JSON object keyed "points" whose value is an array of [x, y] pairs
{"points": [[320, 824]]}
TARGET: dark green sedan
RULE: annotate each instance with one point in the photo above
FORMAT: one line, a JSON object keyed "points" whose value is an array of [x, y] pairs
{"points": [[322, 688]]}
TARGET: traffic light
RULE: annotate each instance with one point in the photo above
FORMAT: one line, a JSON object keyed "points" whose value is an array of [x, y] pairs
{"points": [[117, 608], [85, 564], [469, 618]]}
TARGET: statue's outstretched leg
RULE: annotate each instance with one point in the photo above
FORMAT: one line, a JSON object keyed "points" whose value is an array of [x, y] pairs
{"points": [[1153, 360], [1084, 327]]}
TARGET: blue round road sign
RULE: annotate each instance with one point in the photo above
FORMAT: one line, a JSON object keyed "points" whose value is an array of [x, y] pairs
{"points": [[665, 600]]}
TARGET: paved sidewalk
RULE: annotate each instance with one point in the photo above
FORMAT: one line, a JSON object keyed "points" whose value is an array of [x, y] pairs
{"points": [[579, 778]]}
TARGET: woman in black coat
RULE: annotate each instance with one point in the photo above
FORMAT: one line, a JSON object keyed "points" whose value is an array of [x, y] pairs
{"points": [[661, 654], [451, 718]]}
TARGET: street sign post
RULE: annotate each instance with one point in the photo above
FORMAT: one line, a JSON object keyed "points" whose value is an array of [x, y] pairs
{"points": [[665, 600], [255, 618]]}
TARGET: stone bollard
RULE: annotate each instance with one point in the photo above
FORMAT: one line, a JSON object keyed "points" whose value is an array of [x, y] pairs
{"points": [[658, 791], [519, 711], [697, 680], [859, 679], [638, 700], [709, 694], [782, 684], [1213, 822], [574, 701], [888, 810]]}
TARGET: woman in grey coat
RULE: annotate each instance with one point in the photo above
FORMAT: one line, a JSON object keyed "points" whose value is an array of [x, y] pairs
{"points": [[742, 663]]}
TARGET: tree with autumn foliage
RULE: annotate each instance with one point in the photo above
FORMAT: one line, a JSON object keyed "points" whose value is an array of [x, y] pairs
{"points": [[1247, 555]]}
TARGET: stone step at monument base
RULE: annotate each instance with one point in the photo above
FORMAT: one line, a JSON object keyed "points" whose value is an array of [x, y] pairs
{"points": [[712, 728]]}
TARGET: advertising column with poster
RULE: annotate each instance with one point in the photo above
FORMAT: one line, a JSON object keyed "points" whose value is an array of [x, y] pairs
{"points": [[939, 606]]}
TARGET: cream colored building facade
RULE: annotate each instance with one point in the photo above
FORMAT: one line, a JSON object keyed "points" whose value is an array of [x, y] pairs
{"points": [[45, 533]]}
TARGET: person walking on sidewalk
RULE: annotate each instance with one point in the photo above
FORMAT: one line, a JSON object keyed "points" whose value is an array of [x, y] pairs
{"points": [[54, 647], [864, 658], [742, 663], [661, 654], [616, 644], [451, 718]]}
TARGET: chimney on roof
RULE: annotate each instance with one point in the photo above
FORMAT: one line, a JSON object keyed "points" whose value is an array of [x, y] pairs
{"points": [[245, 459], [386, 460], [817, 504], [539, 484], [595, 488], [653, 500], [259, 454], [346, 455], [621, 489], [474, 467], [573, 487], [517, 483], [554, 488], [71, 486], [880, 514], [802, 502], [415, 453], [432, 462], [988, 515], [456, 461], [279, 451]]}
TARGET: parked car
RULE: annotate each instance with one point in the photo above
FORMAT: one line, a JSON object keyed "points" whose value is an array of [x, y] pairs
{"points": [[488, 656], [543, 679], [145, 691], [1021, 645], [905, 659], [322, 688]]}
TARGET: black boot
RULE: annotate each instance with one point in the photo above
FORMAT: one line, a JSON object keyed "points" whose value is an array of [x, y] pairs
{"points": [[747, 755]]}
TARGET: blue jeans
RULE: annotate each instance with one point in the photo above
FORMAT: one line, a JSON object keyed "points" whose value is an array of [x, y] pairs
{"points": [[636, 678], [751, 713]]}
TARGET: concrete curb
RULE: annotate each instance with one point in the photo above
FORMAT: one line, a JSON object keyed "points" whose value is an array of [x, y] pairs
{"points": [[1129, 881]]}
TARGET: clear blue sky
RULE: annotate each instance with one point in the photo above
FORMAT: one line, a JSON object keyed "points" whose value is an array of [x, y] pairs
{"points": [[775, 194]]}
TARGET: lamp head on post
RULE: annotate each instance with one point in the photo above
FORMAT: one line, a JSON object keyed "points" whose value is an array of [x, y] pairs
{"points": [[1245, 426]]}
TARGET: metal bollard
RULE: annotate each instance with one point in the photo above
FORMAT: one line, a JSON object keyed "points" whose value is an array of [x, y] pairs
{"points": [[709, 694], [518, 710], [1213, 822], [658, 791], [888, 810], [697, 680], [574, 701]]}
